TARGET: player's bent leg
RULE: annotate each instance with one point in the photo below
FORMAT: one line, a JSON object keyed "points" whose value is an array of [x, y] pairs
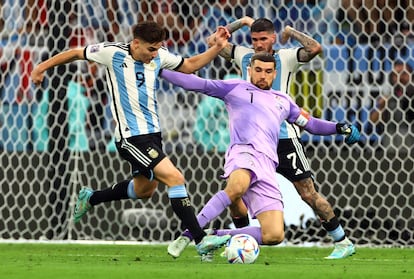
{"points": [[82, 204], [272, 225], [306, 189], [324, 210], [143, 187], [167, 173], [342, 250]]}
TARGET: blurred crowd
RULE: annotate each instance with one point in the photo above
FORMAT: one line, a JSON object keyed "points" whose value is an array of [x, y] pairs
{"points": [[44, 27]]}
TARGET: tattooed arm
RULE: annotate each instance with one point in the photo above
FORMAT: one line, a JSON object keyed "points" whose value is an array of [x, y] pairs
{"points": [[233, 26], [237, 24], [311, 47]]}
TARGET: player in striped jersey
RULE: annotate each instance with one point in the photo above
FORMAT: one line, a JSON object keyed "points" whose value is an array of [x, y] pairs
{"points": [[294, 164], [132, 70]]}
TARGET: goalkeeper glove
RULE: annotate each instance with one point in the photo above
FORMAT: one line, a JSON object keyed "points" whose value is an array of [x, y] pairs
{"points": [[351, 132]]}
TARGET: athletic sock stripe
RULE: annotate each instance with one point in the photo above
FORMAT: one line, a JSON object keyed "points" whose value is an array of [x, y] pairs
{"points": [[131, 190], [136, 153], [177, 192]]}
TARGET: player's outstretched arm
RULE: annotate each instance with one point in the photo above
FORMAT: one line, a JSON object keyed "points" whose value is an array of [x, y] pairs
{"points": [[188, 82], [191, 82], [231, 27], [311, 47], [323, 127], [318, 126], [37, 75]]}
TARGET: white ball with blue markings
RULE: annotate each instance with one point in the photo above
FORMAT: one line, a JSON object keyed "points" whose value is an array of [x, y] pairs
{"points": [[242, 249]]}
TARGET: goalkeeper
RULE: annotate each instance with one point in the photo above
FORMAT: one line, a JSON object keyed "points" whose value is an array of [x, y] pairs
{"points": [[132, 69], [293, 162], [256, 112]]}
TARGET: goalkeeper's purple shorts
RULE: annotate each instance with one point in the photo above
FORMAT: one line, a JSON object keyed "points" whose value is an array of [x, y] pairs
{"points": [[264, 193]]}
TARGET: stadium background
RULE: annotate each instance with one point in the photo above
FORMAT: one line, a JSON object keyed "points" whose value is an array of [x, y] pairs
{"points": [[55, 139]]}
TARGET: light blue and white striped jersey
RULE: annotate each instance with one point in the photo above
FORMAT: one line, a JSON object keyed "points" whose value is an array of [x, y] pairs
{"points": [[133, 86], [286, 64]]}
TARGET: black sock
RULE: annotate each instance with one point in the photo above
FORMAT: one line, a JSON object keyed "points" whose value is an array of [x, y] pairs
{"points": [[117, 192], [331, 225], [241, 222], [182, 207]]}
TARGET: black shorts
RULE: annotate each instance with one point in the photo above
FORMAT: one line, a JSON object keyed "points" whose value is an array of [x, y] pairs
{"points": [[293, 163], [142, 152]]}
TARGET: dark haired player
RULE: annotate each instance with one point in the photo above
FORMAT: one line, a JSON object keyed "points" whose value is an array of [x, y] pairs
{"points": [[294, 164], [132, 69], [256, 113]]}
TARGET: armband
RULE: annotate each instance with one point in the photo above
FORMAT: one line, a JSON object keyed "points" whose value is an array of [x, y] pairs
{"points": [[303, 118]]}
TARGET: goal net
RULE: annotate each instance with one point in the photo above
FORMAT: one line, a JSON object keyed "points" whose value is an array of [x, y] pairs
{"points": [[56, 138]]}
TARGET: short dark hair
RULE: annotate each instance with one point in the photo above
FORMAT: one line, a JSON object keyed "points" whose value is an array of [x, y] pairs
{"points": [[262, 24], [263, 56], [149, 31]]}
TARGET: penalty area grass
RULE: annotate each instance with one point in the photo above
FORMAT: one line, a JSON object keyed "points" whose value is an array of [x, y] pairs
{"points": [[60, 261]]}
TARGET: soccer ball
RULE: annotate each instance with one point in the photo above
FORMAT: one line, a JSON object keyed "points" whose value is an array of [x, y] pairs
{"points": [[242, 249]]}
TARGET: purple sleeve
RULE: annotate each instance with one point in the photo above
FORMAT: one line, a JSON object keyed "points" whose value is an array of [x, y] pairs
{"points": [[186, 81], [318, 126], [191, 82], [311, 124]]}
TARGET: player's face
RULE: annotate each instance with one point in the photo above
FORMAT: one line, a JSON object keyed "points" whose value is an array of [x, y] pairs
{"points": [[143, 51], [262, 74], [263, 41]]}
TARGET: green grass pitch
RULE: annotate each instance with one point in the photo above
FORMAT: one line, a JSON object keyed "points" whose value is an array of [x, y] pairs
{"points": [[43, 260]]}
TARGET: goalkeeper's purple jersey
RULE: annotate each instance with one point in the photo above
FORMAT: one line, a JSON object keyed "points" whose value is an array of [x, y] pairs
{"points": [[255, 115], [286, 65]]}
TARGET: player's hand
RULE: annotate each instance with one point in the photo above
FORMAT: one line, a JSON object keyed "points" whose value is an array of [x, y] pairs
{"points": [[211, 39], [286, 34], [351, 132], [37, 76], [221, 37]]}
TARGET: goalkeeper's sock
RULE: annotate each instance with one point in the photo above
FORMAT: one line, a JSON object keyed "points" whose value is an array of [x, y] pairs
{"points": [[213, 208], [240, 222], [119, 191], [181, 206], [334, 228]]}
